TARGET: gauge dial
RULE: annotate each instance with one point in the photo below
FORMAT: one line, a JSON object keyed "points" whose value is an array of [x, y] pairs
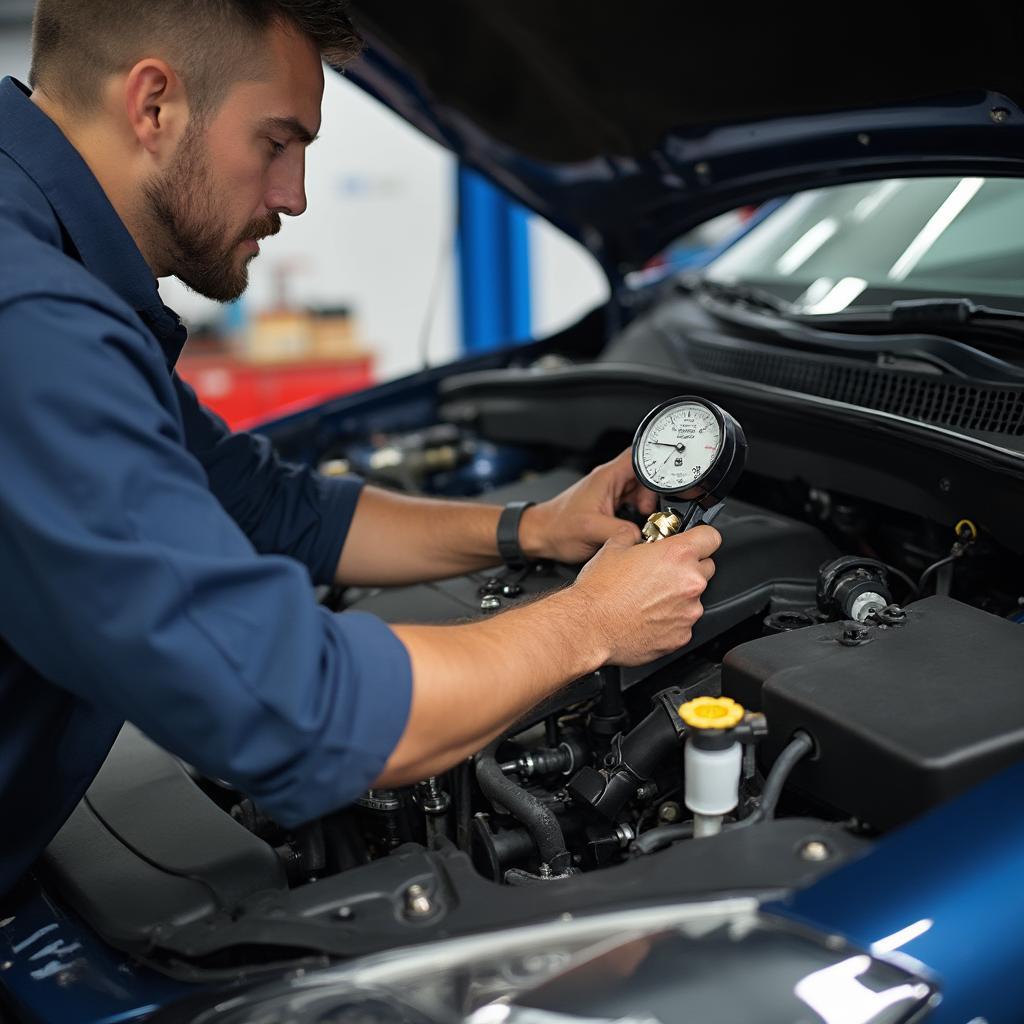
{"points": [[678, 447]]}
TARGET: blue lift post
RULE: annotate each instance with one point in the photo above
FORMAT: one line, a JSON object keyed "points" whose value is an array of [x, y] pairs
{"points": [[494, 265]]}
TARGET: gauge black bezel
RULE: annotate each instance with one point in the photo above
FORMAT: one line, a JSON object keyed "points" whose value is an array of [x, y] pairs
{"points": [[723, 472]]}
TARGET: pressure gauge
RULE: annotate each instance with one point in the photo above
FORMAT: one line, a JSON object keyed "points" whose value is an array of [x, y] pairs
{"points": [[689, 450]]}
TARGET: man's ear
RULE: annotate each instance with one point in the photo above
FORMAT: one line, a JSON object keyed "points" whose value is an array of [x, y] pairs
{"points": [[157, 107]]}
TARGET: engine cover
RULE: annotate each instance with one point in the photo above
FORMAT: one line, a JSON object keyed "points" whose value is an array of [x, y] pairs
{"points": [[903, 720], [767, 562]]}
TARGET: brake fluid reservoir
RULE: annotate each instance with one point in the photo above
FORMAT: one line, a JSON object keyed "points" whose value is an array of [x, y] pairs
{"points": [[712, 760]]}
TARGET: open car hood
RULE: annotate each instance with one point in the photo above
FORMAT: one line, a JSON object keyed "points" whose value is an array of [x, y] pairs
{"points": [[626, 126]]}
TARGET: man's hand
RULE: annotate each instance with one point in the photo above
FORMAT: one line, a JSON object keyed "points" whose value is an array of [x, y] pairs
{"points": [[573, 525], [632, 603], [644, 599]]}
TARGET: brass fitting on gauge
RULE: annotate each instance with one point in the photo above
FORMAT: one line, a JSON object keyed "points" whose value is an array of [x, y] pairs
{"points": [[661, 525]]}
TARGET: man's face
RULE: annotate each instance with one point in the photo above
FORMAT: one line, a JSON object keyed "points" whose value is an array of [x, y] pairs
{"points": [[235, 173]]}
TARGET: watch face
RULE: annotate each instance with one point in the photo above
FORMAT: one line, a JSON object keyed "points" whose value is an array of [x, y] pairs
{"points": [[677, 448]]}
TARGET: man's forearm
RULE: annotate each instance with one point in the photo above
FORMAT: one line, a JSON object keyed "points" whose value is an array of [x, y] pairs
{"points": [[470, 682], [395, 539], [631, 604]]}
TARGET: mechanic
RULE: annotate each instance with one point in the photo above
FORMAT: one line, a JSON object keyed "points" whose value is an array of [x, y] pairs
{"points": [[157, 568]]}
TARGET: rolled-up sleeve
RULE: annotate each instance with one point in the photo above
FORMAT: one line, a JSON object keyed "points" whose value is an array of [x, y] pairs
{"points": [[282, 508], [128, 584]]}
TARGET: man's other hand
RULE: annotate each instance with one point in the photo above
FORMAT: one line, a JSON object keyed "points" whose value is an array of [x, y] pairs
{"points": [[573, 525]]}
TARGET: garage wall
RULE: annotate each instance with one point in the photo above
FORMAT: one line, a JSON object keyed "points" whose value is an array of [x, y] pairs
{"points": [[377, 235], [14, 50]]}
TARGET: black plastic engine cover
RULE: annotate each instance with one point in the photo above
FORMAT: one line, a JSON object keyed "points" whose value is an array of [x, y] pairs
{"points": [[767, 562], [903, 721]]}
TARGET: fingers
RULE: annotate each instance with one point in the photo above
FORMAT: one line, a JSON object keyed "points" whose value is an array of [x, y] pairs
{"points": [[622, 534], [703, 541], [623, 461], [620, 471], [622, 485], [646, 501], [598, 529]]}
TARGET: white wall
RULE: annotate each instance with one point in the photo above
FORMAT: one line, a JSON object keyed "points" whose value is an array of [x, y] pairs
{"points": [[565, 280], [15, 52], [378, 235]]}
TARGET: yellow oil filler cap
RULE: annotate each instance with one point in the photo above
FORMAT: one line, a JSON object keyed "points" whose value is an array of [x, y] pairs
{"points": [[711, 713]]}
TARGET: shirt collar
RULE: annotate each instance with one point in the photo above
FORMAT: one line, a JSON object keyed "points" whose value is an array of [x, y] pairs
{"points": [[104, 245]]}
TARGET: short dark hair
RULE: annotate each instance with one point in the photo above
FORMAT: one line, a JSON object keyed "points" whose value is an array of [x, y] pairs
{"points": [[76, 44]]}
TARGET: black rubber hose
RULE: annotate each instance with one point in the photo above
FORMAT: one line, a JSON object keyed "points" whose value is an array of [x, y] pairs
{"points": [[935, 566], [798, 748], [658, 838], [539, 821], [463, 806], [912, 587]]}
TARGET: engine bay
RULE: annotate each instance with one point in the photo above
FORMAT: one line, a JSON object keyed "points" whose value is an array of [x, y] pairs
{"points": [[872, 652]]}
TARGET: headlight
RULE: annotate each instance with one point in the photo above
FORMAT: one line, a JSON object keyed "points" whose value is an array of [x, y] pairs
{"points": [[718, 961]]}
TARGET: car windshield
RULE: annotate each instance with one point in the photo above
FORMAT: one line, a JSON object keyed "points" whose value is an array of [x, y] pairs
{"points": [[869, 244]]}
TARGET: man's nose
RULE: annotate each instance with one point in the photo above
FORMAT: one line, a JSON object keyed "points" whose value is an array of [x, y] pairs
{"points": [[287, 192]]}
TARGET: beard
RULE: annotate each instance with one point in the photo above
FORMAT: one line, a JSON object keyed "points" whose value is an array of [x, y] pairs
{"points": [[198, 243]]}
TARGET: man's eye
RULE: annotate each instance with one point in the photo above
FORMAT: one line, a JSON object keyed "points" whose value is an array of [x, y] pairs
{"points": [[277, 148]]}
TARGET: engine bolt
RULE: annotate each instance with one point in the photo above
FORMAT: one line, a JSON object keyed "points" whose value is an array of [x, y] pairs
{"points": [[854, 634], [417, 902], [815, 850], [669, 812]]}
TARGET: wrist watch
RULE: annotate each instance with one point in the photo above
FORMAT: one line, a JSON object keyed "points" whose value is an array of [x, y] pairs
{"points": [[508, 534]]}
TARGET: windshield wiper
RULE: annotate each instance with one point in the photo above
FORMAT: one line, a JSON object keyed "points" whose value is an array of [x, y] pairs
{"points": [[747, 295], [924, 314], [756, 309]]}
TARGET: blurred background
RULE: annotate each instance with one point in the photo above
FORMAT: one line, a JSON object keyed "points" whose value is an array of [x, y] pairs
{"points": [[380, 277]]}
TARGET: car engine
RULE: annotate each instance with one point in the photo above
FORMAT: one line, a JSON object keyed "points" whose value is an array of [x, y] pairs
{"points": [[850, 673], [856, 664]]}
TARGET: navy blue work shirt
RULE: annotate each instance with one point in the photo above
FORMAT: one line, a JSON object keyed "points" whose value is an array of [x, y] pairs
{"points": [[154, 567]]}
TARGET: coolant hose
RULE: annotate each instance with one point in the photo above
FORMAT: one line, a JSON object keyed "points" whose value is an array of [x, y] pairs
{"points": [[798, 748], [658, 838], [539, 821]]}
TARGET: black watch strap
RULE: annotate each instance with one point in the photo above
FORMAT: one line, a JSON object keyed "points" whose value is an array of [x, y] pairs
{"points": [[508, 534]]}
